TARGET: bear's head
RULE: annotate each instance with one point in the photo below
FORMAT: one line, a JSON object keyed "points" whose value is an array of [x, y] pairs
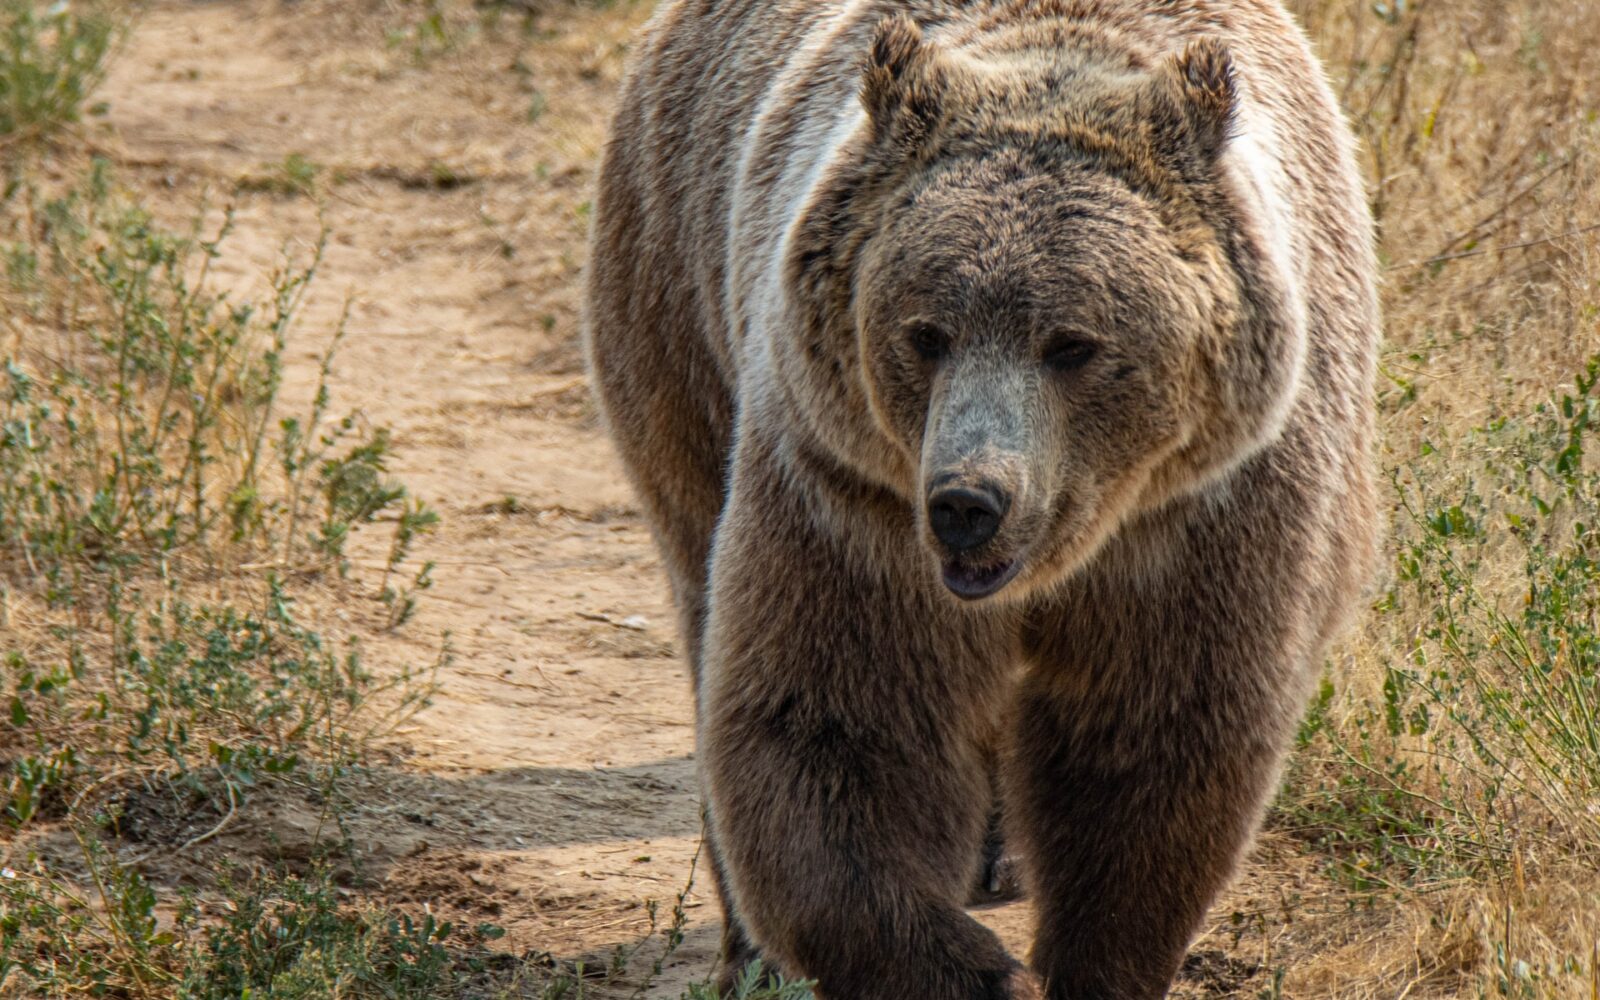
{"points": [[1068, 302]]}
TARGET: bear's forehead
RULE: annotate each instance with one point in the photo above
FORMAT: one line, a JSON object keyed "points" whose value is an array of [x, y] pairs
{"points": [[1033, 256], [1036, 292], [1002, 186], [1038, 224]]}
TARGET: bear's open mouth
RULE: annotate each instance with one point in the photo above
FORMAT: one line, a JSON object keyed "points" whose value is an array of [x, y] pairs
{"points": [[972, 583]]}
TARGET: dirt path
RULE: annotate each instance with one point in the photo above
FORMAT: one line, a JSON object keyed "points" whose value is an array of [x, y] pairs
{"points": [[550, 788]]}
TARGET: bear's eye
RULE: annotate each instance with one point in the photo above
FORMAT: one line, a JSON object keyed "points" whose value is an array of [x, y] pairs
{"points": [[930, 342], [1070, 353]]}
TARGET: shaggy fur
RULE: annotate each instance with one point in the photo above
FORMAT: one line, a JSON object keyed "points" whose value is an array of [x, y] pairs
{"points": [[1090, 279]]}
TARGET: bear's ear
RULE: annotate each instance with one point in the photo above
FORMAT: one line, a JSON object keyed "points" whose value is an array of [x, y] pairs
{"points": [[902, 85], [1208, 85]]}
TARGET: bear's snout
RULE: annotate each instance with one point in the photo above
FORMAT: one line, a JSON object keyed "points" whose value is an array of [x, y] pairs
{"points": [[966, 516]]}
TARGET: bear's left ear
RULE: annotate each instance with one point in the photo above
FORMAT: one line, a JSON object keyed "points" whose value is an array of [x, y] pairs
{"points": [[1208, 85]]}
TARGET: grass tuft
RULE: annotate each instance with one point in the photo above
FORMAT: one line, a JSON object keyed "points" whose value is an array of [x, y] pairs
{"points": [[51, 60]]}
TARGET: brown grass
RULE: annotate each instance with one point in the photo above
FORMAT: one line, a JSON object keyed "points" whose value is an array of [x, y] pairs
{"points": [[1479, 125]]}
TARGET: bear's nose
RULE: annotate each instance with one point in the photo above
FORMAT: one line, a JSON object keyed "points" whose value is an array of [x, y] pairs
{"points": [[964, 517]]}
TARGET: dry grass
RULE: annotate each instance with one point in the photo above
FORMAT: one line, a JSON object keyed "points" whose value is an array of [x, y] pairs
{"points": [[1449, 784], [1479, 123]]}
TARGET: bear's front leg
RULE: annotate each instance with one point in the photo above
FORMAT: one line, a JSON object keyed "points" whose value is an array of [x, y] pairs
{"points": [[841, 724], [1151, 725]]}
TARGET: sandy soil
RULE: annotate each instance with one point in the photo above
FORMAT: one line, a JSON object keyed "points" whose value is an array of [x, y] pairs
{"points": [[550, 787]]}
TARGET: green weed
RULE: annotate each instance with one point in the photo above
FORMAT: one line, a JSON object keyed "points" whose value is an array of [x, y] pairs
{"points": [[51, 60], [1482, 748], [291, 938], [287, 937], [295, 175], [154, 505]]}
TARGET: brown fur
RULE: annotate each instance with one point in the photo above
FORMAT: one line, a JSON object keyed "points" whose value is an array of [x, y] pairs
{"points": [[1042, 261]]}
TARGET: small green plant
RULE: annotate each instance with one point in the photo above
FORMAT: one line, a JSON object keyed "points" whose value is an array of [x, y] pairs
{"points": [[283, 936], [291, 938], [1482, 746], [107, 939], [154, 505], [436, 29], [414, 520], [51, 60], [429, 29], [295, 175], [754, 983], [109, 439]]}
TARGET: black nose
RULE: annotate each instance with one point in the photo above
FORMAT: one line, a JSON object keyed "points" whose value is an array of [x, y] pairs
{"points": [[964, 517]]}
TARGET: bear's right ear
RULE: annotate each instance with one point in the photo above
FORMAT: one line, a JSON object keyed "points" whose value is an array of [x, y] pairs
{"points": [[1209, 87], [902, 86]]}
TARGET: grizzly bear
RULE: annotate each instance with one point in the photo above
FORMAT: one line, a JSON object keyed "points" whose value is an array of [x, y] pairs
{"points": [[996, 376]]}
